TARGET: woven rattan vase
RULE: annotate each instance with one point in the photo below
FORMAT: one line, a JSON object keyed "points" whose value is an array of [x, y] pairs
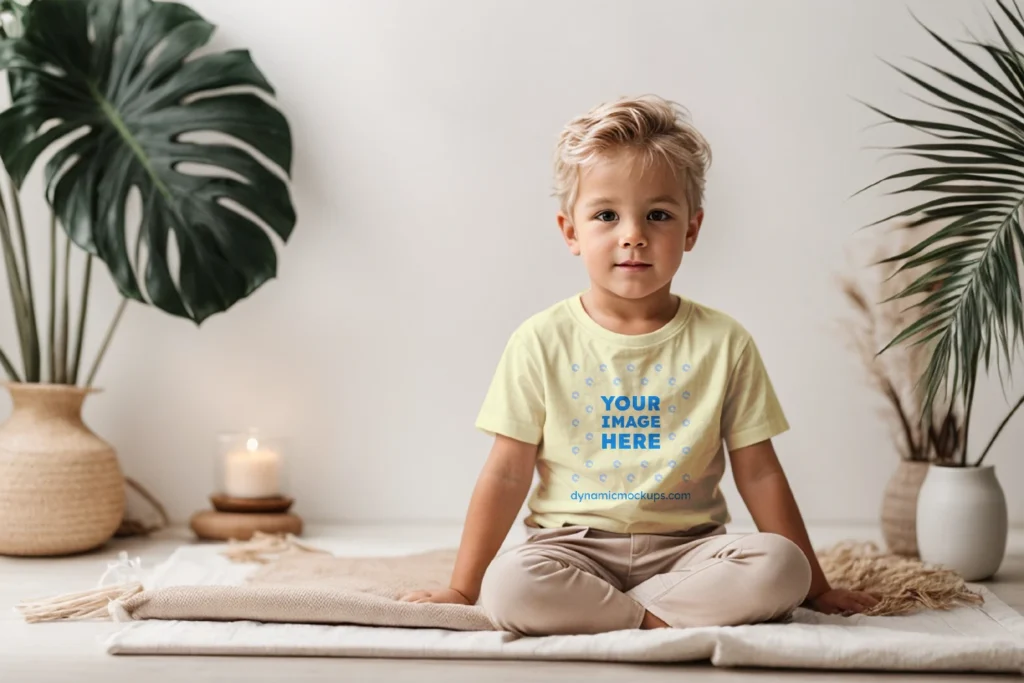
{"points": [[61, 488], [899, 507]]}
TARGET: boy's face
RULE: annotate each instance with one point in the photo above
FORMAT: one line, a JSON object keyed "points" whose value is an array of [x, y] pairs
{"points": [[630, 229]]}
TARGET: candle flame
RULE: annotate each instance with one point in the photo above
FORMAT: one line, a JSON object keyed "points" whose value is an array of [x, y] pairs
{"points": [[252, 444]]}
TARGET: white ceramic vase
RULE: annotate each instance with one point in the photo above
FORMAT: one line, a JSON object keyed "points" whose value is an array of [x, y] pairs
{"points": [[962, 520]]}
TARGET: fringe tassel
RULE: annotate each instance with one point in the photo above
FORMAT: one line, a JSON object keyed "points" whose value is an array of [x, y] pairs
{"points": [[99, 602], [905, 585], [263, 548], [92, 604]]}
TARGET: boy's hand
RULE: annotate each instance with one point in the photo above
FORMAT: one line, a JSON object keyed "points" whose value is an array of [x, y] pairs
{"points": [[842, 601], [442, 595]]}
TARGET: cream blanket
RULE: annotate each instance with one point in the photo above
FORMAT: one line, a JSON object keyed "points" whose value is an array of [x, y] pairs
{"points": [[316, 604], [315, 588]]}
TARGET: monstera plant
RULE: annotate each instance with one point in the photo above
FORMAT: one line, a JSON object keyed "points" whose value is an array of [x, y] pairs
{"points": [[169, 165], [113, 94]]}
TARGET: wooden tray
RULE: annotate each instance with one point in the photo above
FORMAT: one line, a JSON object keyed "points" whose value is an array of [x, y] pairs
{"points": [[225, 503], [223, 526]]}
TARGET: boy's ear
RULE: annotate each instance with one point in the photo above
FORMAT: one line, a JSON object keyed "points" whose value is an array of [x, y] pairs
{"points": [[693, 229], [568, 230]]}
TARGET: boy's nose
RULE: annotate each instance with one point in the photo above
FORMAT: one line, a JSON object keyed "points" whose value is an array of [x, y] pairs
{"points": [[632, 239]]}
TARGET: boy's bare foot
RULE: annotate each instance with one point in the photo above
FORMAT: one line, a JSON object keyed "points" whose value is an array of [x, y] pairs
{"points": [[651, 621]]}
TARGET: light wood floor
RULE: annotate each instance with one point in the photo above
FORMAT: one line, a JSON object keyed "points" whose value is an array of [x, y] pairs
{"points": [[71, 650]]}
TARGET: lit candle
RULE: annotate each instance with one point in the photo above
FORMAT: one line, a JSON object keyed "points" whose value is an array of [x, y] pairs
{"points": [[252, 473]]}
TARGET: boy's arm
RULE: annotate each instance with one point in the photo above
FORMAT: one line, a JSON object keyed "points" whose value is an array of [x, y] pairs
{"points": [[765, 490], [497, 498]]}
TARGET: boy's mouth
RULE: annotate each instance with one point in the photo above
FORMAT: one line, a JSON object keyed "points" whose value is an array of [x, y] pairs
{"points": [[633, 265]]}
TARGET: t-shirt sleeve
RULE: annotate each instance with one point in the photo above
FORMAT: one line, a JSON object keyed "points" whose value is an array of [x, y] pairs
{"points": [[751, 412], [514, 404]]}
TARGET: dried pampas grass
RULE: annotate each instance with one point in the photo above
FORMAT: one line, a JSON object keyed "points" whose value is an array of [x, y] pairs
{"points": [[875, 321]]}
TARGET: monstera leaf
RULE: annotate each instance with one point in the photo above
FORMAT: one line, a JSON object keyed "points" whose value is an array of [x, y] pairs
{"points": [[112, 90]]}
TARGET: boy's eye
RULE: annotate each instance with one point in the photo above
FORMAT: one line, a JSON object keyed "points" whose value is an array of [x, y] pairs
{"points": [[656, 215]]}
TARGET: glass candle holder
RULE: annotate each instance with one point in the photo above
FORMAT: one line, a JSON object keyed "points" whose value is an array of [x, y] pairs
{"points": [[251, 464]]}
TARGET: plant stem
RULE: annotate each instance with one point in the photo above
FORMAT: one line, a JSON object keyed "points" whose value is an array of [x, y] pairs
{"points": [[8, 368], [53, 297], [81, 320], [912, 445], [33, 331], [62, 334], [15, 285], [969, 400], [106, 341], [1001, 425]]}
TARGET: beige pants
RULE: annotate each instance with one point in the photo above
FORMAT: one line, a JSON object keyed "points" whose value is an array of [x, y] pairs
{"points": [[575, 579]]}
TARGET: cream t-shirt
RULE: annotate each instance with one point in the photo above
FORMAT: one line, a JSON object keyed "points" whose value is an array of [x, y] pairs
{"points": [[631, 428]]}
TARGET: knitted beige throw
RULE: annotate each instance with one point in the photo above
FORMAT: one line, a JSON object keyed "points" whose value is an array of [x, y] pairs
{"points": [[301, 584]]}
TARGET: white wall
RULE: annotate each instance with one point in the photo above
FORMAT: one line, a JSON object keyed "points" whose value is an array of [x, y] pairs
{"points": [[426, 233]]}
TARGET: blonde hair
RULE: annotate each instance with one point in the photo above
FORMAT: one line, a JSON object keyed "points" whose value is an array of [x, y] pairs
{"points": [[649, 125]]}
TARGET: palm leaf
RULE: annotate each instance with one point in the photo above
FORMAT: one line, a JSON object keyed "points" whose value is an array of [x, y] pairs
{"points": [[114, 73], [972, 185]]}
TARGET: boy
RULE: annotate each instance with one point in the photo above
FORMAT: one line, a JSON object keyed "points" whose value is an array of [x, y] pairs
{"points": [[625, 398]]}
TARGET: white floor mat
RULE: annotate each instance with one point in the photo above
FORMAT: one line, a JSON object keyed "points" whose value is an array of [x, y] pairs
{"points": [[985, 638]]}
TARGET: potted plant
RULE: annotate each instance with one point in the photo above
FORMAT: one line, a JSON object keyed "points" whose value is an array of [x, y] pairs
{"points": [[970, 166], [893, 376], [111, 91]]}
